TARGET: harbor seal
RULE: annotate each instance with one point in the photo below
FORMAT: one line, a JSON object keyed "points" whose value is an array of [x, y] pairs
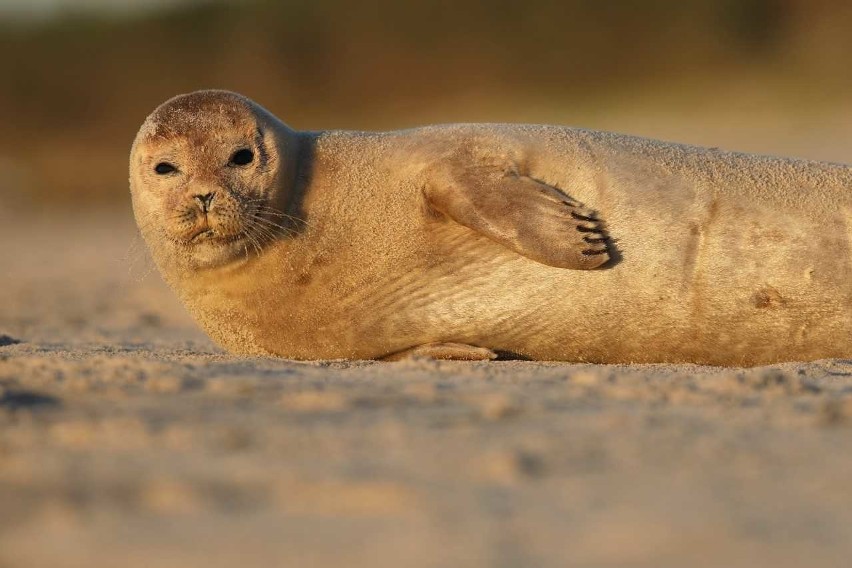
{"points": [[465, 241]]}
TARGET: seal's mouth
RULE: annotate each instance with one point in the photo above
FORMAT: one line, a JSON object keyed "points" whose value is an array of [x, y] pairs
{"points": [[208, 235], [202, 234]]}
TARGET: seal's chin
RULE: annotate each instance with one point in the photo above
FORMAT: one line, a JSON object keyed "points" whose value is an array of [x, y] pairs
{"points": [[210, 250], [209, 247]]}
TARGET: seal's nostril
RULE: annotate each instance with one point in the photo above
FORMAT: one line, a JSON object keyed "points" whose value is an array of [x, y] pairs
{"points": [[205, 200]]}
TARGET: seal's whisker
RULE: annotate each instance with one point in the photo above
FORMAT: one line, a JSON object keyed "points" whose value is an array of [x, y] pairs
{"points": [[271, 226], [137, 253], [270, 211], [265, 234], [271, 222], [283, 216], [259, 232], [262, 226], [254, 243]]}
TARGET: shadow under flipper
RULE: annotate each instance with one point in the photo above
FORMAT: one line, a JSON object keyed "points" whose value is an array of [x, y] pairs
{"points": [[510, 356], [615, 256]]}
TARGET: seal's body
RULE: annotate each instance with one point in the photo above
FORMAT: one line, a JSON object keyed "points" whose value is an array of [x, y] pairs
{"points": [[462, 240]]}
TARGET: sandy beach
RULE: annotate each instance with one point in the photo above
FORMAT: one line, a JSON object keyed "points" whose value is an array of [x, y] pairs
{"points": [[128, 439]]}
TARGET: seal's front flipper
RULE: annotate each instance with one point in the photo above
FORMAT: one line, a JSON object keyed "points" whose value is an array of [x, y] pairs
{"points": [[530, 217], [451, 351]]}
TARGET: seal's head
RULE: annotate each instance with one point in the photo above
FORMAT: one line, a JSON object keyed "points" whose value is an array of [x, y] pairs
{"points": [[209, 174]]}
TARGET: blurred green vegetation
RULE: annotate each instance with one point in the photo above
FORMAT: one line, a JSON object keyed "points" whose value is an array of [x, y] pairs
{"points": [[76, 89]]}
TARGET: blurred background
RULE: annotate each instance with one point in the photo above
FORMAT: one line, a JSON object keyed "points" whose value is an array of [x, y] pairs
{"points": [[769, 76]]}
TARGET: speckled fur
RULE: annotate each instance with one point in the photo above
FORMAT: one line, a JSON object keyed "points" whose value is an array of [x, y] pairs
{"points": [[718, 257]]}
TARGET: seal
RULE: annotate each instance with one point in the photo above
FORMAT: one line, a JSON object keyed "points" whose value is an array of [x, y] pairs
{"points": [[467, 241]]}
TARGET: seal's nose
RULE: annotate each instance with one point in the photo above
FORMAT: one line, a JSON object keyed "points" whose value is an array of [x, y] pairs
{"points": [[205, 200]]}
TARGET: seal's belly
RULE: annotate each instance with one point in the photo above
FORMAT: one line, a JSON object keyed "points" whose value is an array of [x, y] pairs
{"points": [[768, 284], [737, 283]]}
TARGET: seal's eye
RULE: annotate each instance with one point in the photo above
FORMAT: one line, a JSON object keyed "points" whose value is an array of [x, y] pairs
{"points": [[242, 157], [164, 168]]}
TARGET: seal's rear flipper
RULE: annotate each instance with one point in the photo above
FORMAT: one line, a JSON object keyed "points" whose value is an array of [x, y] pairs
{"points": [[451, 351], [530, 217]]}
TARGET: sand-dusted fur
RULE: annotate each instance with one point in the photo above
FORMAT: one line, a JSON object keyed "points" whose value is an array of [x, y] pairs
{"points": [[548, 242]]}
